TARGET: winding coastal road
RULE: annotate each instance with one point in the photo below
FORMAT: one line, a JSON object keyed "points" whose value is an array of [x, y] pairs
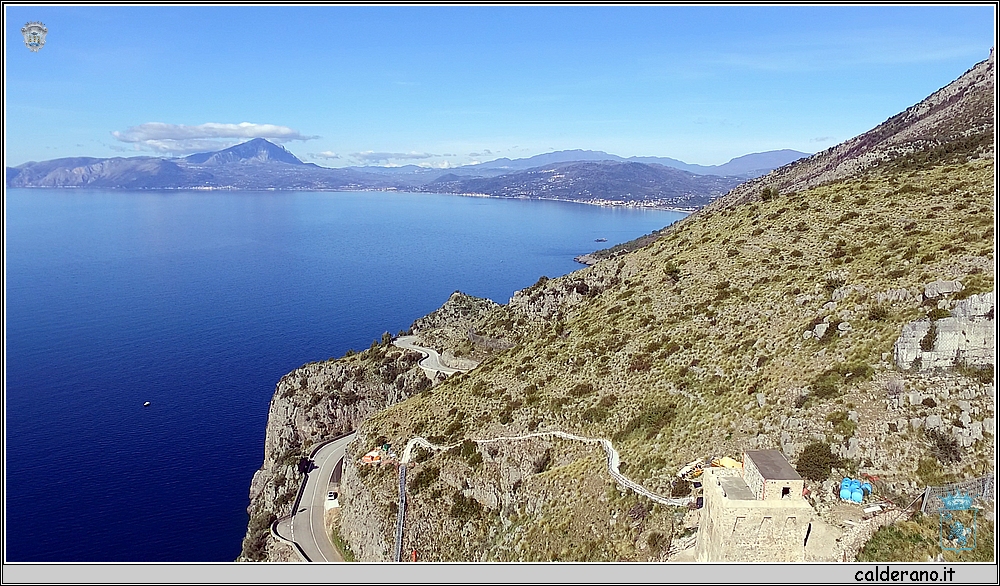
{"points": [[431, 362], [306, 528]]}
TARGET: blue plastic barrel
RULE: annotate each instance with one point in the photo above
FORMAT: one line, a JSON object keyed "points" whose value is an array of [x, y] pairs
{"points": [[857, 496], [866, 487], [855, 484], [845, 482], [845, 493]]}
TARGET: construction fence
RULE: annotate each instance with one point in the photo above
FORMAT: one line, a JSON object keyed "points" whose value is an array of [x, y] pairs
{"points": [[981, 490]]}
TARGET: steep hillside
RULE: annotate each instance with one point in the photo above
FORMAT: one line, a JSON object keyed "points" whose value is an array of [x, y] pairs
{"points": [[697, 346], [948, 126], [851, 312]]}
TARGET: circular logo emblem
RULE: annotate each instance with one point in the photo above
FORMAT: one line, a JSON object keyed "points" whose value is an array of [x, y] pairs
{"points": [[34, 36]]}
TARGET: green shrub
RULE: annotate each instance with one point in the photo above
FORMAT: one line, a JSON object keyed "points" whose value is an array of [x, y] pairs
{"points": [[982, 374], [944, 448], [543, 463], [878, 313], [938, 313], [640, 362], [657, 541], [841, 424], [455, 427], [424, 478], [671, 271], [927, 342], [833, 283], [255, 544], [680, 487], [816, 461], [470, 451], [826, 385], [651, 420], [855, 371], [465, 508]]}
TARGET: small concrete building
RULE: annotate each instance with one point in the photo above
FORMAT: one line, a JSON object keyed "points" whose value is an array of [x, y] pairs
{"points": [[756, 514], [770, 476]]}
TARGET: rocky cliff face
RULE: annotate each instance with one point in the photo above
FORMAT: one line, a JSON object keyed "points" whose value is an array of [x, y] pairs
{"points": [[966, 337], [310, 404], [324, 399]]}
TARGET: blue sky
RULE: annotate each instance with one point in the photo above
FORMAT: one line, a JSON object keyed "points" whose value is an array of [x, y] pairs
{"points": [[445, 86]]}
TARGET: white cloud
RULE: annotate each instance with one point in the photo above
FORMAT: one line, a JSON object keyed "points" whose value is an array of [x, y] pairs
{"points": [[372, 157], [180, 138], [438, 165], [325, 155]]}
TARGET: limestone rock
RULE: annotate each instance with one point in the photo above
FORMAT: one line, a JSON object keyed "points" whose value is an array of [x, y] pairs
{"points": [[968, 336], [893, 296], [852, 447], [939, 288]]}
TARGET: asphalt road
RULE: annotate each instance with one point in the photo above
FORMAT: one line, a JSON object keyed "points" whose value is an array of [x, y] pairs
{"points": [[306, 527], [431, 363]]}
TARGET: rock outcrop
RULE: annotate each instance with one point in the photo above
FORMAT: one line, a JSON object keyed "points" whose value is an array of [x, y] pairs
{"points": [[967, 337], [311, 404]]}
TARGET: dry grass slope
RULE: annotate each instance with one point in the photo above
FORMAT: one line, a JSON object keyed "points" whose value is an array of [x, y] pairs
{"points": [[695, 345]]}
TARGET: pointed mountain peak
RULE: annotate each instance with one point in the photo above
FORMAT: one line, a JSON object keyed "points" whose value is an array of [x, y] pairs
{"points": [[257, 150]]}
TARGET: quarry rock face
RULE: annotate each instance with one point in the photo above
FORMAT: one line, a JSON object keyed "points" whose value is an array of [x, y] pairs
{"points": [[967, 337]]}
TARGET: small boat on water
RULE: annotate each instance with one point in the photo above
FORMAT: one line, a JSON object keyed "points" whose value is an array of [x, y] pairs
{"points": [[601, 240], [146, 404]]}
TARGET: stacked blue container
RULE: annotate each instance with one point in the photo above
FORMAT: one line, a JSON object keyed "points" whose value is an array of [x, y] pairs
{"points": [[854, 490], [845, 489]]}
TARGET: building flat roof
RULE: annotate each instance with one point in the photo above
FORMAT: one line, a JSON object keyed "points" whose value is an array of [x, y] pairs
{"points": [[735, 489], [772, 465]]}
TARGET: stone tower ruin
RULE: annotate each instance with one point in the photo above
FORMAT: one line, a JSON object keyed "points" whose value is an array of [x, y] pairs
{"points": [[754, 514]]}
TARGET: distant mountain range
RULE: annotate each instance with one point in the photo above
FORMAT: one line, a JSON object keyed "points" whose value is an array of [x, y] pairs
{"points": [[747, 166], [576, 175]]}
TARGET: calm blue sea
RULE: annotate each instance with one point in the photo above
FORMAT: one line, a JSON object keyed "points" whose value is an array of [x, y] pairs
{"points": [[199, 302]]}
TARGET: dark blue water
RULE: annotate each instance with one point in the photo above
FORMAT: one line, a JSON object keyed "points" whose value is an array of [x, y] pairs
{"points": [[199, 302]]}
